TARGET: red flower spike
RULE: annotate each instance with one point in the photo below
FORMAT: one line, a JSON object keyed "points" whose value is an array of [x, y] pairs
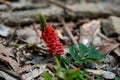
{"points": [[50, 37]]}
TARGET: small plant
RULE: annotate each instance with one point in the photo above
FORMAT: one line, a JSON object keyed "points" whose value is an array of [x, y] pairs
{"points": [[117, 78], [83, 55], [69, 69], [65, 74], [50, 37]]}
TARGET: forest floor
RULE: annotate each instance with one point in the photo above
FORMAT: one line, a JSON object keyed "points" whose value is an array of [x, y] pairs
{"points": [[88, 30]]}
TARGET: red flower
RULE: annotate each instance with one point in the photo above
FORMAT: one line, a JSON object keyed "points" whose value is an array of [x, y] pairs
{"points": [[53, 43]]}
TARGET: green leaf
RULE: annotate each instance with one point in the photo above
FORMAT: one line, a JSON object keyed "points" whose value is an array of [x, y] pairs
{"points": [[82, 49], [60, 75], [99, 55], [43, 22], [65, 61], [17, 45], [81, 61], [117, 78], [85, 71], [78, 62], [47, 76], [71, 74], [80, 77], [93, 53], [59, 69], [58, 64], [73, 52]]}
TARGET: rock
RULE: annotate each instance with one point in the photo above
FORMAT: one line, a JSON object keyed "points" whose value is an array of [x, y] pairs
{"points": [[34, 72], [109, 59], [109, 75], [93, 10], [107, 27], [37, 60], [88, 30], [97, 41], [105, 74], [116, 23], [4, 30], [111, 26]]}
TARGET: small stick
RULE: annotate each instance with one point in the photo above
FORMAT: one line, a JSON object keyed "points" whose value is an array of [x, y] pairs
{"points": [[102, 35], [13, 74], [11, 37], [69, 33], [37, 30]]}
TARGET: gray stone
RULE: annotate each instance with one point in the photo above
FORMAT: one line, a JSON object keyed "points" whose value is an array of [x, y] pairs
{"points": [[116, 23], [111, 26]]}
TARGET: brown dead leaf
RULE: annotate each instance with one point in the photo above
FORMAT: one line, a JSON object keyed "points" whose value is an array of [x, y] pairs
{"points": [[88, 30], [4, 50], [106, 49], [10, 62], [59, 33], [33, 72], [7, 57], [117, 51]]}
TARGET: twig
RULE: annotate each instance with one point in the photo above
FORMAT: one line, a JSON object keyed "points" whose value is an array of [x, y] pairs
{"points": [[99, 34], [12, 74], [37, 29], [11, 37], [107, 39], [102, 35], [69, 33]]}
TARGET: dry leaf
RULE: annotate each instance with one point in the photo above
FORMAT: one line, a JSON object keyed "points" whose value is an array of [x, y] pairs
{"points": [[4, 50], [117, 51], [33, 73], [6, 56], [88, 31], [59, 34], [106, 49]]}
